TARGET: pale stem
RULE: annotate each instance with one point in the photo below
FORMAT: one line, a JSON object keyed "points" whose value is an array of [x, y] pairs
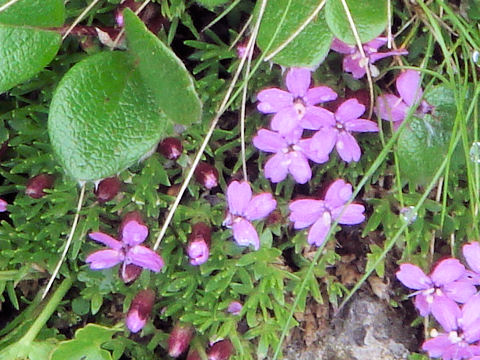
{"points": [[69, 242], [251, 43], [80, 18], [7, 5]]}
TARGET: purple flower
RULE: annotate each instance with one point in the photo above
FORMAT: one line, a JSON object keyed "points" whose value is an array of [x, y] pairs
{"points": [[321, 213], [471, 252], [444, 281], [394, 108], [235, 308], [127, 251], [335, 130], [462, 329], [291, 155], [296, 104], [353, 63], [243, 208]]}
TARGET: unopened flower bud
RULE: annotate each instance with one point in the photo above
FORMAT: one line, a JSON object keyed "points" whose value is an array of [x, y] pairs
{"points": [[140, 310], [131, 4], [3, 205], [171, 148], [193, 355], [179, 339], [107, 189], [130, 272], [221, 350], [235, 308], [206, 175], [37, 185], [133, 228], [198, 248]]}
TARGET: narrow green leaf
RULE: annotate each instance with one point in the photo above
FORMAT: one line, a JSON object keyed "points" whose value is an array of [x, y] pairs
{"points": [[163, 72], [102, 118], [311, 45], [369, 16]]}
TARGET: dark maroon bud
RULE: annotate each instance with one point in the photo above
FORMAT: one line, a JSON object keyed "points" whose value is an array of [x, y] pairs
{"points": [[179, 339], [198, 248], [37, 184], [274, 217], [140, 310], [107, 189], [206, 175], [221, 350], [201, 231], [171, 148], [194, 355], [130, 272], [131, 4]]}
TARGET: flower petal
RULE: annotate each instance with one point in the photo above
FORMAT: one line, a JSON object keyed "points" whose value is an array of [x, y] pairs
{"points": [[422, 304], [381, 55], [144, 257], [134, 233], [299, 167], [349, 110], [471, 252], [304, 146], [373, 45], [298, 81], [269, 141], [408, 86], [391, 107], [361, 125], [352, 215], [347, 147], [338, 193], [321, 145], [446, 312], [238, 196], [470, 312], [342, 48], [260, 206], [351, 64], [106, 239], [316, 118], [285, 121], [276, 167], [273, 100], [459, 291], [245, 234], [319, 230], [104, 259], [413, 277], [437, 345], [446, 271], [305, 212], [319, 94]]}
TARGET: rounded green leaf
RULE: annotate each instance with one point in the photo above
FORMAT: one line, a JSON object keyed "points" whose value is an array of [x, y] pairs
{"points": [[26, 49], [369, 16], [102, 117], [312, 44], [162, 72]]}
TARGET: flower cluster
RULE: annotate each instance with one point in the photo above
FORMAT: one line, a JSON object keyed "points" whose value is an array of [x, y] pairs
{"points": [[449, 293]]}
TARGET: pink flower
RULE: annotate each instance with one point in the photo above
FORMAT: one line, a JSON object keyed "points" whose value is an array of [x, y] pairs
{"points": [[198, 248], [235, 308], [295, 105], [394, 108], [140, 310], [352, 62], [128, 250], [291, 155], [3, 205], [461, 326], [321, 213], [444, 281], [338, 129], [179, 339], [243, 208]]}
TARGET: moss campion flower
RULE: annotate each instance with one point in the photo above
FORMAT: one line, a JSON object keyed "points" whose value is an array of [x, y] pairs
{"points": [[297, 104], [353, 62], [127, 250], [243, 208], [319, 214]]}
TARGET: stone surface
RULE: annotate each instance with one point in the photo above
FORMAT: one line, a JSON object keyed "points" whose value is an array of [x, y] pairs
{"points": [[367, 329]]}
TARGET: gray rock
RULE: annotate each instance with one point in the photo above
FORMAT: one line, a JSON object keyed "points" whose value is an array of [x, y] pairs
{"points": [[367, 329]]}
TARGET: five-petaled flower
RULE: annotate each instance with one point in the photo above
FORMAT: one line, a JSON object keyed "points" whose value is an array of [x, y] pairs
{"points": [[296, 105], [353, 61], [291, 155], [338, 130], [321, 213], [445, 281], [394, 108], [128, 250], [243, 208]]}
